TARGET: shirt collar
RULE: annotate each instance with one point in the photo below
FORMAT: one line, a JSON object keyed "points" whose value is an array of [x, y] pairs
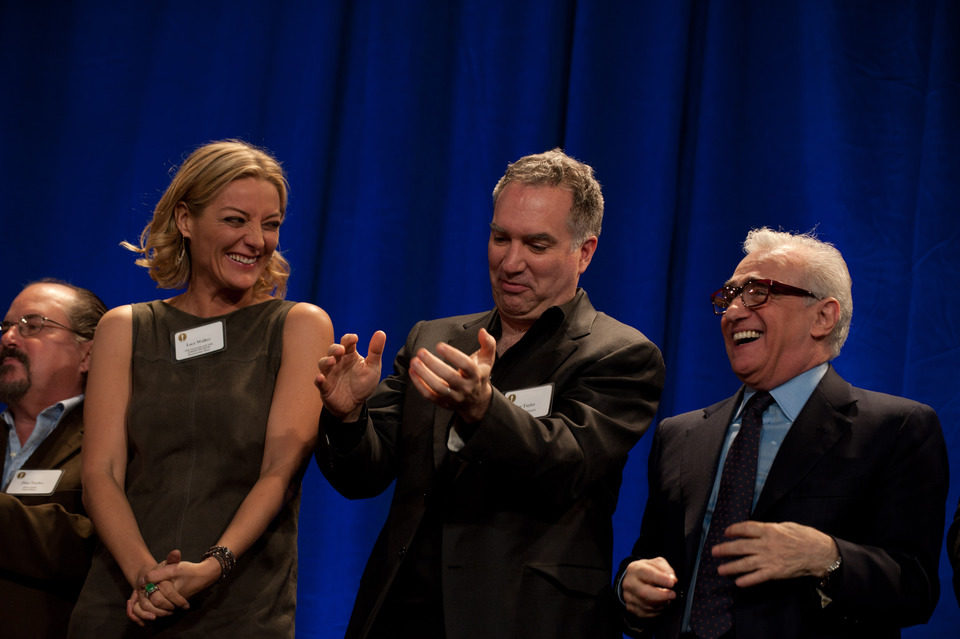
{"points": [[792, 395], [66, 405], [55, 411], [551, 317]]}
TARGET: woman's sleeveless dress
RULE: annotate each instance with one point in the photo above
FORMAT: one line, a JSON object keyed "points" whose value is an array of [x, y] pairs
{"points": [[196, 430]]}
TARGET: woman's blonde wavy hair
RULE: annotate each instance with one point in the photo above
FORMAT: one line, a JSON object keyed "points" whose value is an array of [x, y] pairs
{"points": [[207, 171]]}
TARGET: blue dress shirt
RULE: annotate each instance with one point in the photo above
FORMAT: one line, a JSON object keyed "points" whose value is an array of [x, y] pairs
{"points": [[47, 420], [789, 399]]}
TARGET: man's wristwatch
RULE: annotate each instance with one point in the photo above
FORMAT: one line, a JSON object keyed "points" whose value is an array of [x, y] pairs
{"points": [[831, 569], [822, 587]]}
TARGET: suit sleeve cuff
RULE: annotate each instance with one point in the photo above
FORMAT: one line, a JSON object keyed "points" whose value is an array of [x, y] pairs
{"points": [[343, 436]]}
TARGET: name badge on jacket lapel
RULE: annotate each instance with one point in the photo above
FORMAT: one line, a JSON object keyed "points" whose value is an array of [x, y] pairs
{"points": [[198, 341], [34, 482], [536, 400]]}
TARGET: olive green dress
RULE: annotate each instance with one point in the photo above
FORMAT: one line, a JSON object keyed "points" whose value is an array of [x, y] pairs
{"points": [[196, 430]]}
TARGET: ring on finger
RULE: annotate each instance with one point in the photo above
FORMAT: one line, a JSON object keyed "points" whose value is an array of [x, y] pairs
{"points": [[150, 588]]}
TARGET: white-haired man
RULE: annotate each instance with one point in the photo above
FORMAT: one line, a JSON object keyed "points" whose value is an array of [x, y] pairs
{"points": [[801, 506]]}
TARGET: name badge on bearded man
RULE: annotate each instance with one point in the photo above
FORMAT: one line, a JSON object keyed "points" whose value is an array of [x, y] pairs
{"points": [[34, 482]]}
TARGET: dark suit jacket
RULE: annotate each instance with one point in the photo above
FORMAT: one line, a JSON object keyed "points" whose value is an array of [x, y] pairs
{"points": [[866, 468], [526, 521], [45, 542], [953, 551]]}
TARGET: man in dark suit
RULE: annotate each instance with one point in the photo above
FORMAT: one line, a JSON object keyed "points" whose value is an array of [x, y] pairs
{"points": [[841, 509], [507, 457], [45, 537], [953, 551]]}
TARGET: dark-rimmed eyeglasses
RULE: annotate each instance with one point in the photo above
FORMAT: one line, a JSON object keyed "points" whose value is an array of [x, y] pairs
{"points": [[754, 293], [32, 324]]}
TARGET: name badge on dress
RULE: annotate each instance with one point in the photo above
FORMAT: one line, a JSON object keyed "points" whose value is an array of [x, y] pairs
{"points": [[198, 341], [536, 400], [34, 482]]}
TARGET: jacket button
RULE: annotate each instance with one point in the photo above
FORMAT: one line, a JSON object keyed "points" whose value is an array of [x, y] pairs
{"points": [[402, 551]]}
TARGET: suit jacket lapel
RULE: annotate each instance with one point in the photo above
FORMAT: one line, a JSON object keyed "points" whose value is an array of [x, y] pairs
{"points": [[704, 441], [541, 365], [822, 422], [539, 368], [60, 445], [465, 340]]}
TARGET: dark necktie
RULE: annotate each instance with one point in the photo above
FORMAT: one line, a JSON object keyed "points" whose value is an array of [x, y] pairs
{"points": [[712, 613]]}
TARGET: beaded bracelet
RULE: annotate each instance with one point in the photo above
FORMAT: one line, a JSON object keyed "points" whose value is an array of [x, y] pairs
{"points": [[224, 557]]}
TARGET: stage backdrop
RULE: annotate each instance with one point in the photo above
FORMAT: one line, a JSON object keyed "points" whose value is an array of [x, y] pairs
{"points": [[395, 119]]}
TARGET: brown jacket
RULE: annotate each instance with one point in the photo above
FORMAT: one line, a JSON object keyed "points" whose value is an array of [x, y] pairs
{"points": [[45, 542]]}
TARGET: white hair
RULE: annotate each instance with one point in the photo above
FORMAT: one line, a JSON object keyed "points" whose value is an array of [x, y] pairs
{"points": [[823, 271]]}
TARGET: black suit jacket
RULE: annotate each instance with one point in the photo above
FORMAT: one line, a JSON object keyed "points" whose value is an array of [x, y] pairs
{"points": [[866, 468], [45, 542], [953, 551], [526, 519]]}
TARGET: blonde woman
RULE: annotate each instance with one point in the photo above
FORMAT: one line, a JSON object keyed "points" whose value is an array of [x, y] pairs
{"points": [[200, 415]]}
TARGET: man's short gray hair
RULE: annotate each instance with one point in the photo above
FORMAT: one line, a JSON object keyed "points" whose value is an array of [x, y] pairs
{"points": [[556, 168]]}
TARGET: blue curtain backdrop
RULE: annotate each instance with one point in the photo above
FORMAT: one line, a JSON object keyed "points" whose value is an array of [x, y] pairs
{"points": [[395, 119]]}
